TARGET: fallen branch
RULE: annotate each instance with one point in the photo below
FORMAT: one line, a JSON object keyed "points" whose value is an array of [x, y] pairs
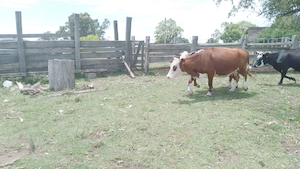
{"points": [[76, 92]]}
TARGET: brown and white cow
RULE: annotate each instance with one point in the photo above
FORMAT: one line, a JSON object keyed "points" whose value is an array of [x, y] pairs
{"points": [[212, 61]]}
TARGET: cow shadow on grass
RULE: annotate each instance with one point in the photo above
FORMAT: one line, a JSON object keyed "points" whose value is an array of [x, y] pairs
{"points": [[282, 85], [221, 93]]}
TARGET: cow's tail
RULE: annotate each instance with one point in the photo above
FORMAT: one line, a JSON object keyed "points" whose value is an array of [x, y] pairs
{"points": [[248, 68]]}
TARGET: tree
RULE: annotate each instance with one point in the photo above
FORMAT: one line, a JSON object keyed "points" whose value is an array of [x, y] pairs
{"points": [[267, 8], [167, 30], [233, 32], [88, 26], [48, 38], [216, 36], [90, 37], [285, 26]]}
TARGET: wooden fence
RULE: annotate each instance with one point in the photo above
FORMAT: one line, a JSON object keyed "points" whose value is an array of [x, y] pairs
{"points": [[19, 56], [166, 52]]}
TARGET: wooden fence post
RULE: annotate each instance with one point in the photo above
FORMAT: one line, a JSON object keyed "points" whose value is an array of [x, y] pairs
{"points": [[147, 44], [21, 49], [77, 43], [244, 40], [132, 58], [194, 43], [295, 42], [116, 30], [176, 40], [71, 24], [127, 41]]}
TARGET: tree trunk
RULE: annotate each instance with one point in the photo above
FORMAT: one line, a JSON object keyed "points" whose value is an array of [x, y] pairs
{"points": [[61, 74]]}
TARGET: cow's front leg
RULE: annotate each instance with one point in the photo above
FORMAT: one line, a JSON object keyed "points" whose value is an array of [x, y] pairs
{"points": [[210, 80], [189, 86]]}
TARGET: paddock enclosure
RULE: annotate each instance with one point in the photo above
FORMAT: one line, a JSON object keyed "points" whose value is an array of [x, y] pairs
{"points": [[20, 55]]}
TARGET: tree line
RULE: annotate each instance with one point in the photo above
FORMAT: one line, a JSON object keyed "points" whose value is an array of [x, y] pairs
{"points": [[284, 16]]}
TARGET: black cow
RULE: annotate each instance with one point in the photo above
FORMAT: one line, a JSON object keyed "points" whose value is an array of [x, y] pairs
{"points": [[281, 61]]}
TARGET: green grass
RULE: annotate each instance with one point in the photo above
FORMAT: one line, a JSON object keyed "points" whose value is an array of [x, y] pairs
{"points": [[164, 128]]}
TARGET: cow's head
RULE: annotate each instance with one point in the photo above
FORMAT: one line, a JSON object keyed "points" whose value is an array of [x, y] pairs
{"points": [[174, 69], [260, 59]]}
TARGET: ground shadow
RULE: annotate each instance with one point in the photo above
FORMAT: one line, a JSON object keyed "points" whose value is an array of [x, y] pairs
{"points": [[220, 93], [283, 84]]}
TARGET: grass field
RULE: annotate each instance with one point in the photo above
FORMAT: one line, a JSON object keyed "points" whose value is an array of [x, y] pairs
{"points": [[152, 122]]}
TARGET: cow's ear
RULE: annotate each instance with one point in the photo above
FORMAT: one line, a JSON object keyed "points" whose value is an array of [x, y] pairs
{"points": [[182, 61], [171, 61]]}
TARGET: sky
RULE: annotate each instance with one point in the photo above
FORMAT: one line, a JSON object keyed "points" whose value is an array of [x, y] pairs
{"points": [[196, 17]]}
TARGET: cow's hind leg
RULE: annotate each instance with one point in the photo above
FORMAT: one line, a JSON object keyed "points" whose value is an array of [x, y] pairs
{"points": [[210, 80], [195, 82], [244, 73], [190, 86], [283, 75], [236, 77]]}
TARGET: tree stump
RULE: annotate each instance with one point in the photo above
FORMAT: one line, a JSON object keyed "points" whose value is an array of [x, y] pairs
{"points": [[61, 74]]}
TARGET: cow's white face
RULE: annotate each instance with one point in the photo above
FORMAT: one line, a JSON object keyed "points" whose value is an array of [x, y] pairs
{"points": [[184, 54], [259, 59], [259, 55], [174, 69]]}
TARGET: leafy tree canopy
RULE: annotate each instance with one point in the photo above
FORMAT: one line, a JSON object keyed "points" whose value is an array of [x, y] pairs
{"points": [[285, 26], [88, 26], [232, 32], [167, 30], [267, 8]]}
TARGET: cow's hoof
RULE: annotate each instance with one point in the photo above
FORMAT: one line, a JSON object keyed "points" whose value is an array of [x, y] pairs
{"points": [[246, 89], [232, 90], [208, 94], [190, 93], [198, 86]]}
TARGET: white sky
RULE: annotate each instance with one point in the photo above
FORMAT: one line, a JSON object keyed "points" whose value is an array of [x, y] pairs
{"points": [[196, 17]]}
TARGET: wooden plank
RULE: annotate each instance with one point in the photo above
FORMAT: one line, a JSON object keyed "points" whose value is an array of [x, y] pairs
{"points": [[101, 49], [8, 45], [4, 59], [109, 64], [13, 75], [160, 59], [21, 49], [101, 55], [269, 44], [102, 44], [9, 52], [10, 66], [40, 64], [37, 35], [154, 47], [77, 43], [49, 50], [219, 44], [49, 44], [266, 48], [45, 57], [168, 52]]}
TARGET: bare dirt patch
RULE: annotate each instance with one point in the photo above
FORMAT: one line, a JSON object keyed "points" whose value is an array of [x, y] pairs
{"points": [[8, 157]]}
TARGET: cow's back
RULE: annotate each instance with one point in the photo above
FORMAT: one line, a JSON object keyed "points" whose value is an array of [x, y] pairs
{"points": [[227, 60]]}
